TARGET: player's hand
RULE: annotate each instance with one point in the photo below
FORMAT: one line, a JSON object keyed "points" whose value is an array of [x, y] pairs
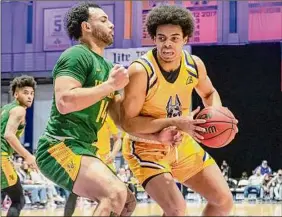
{"points": [[190, 126], [170, 136], [118, 77], [109, 159], [31, 162]]}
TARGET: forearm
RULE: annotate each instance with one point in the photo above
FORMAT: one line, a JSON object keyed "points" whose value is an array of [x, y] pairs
{"points": [[146, 125], [152, 137], [114, 112], [212, 99], [17, 146], [80, 98], [117, 147]]}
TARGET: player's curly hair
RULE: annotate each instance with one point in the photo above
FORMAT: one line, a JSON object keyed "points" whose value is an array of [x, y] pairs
{"points": [[170, 14], [22, 81], [75, 16]]}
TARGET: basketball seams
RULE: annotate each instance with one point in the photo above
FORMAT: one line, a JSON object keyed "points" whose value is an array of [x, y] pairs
{"points": [[224, 113], [226, 122], [217, 117], [221, 133]]}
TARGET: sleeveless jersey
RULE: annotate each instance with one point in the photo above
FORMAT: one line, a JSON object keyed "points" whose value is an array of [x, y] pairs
{"points": [[5, 114], [165, 99], [90, 70]]}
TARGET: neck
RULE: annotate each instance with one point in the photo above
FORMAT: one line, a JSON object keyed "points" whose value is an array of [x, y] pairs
{"points": [[20, 104], [93, 45], [169, 66]]}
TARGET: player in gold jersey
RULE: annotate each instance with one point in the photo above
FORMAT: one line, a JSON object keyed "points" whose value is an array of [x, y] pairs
{"points": [[158, 96], [108, 130]]}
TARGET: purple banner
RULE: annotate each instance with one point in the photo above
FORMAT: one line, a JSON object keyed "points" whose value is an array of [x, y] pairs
{"points": [[55, 36]]}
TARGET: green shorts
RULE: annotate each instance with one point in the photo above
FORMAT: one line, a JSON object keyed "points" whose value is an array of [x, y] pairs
{"points": [[60, 161], [9, 176]]}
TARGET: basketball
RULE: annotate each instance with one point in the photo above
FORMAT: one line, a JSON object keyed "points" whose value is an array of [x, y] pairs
{"points": [[220, 126]]}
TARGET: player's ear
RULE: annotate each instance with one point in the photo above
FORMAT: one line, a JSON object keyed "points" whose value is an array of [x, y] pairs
{"points": [[154, 39], [185, 39], [86, 26]]}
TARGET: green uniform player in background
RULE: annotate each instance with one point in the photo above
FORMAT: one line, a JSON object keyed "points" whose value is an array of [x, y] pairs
{"points": [[85, 84], [12, 128]]}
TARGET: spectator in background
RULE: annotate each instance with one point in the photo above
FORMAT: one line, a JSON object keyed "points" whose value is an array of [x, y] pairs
{"points": [[225, 169], [265, 191], [38, 191], [264, 168], [255, 183], [244, 176], [122, 175], [276, 183]]}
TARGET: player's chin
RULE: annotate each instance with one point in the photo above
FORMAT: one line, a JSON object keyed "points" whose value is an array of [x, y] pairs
{"points": [[110, 40], [28, 104]]}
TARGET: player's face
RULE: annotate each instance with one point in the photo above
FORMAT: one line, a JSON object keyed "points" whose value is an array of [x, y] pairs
{"points": [[101, 28], [25, 96], [169, 41]]}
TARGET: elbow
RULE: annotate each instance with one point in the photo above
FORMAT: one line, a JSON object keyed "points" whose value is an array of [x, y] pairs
{"points": [[63, 105], [8, 136], [210, 93], [127, 126]]}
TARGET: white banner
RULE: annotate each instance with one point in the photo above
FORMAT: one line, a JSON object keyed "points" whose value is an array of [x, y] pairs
{"points": [[55, 36], [126, 56]]}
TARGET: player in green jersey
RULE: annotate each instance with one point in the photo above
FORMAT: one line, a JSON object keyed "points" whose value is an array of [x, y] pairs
{"points": [[12, 127], [84, 88]]}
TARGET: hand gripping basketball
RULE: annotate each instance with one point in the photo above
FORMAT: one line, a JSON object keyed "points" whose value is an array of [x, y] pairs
{"points": [[220, 127]]}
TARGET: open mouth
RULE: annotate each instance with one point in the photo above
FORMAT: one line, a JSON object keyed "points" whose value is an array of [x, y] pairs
{"points": [[168, 53]]}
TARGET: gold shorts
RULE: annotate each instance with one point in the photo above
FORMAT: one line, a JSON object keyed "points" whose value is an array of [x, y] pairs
{"points": [[9, 176], [148, 160]]}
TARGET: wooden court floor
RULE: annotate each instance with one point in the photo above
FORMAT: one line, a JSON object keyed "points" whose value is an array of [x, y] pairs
{"points": [[152, 209]]}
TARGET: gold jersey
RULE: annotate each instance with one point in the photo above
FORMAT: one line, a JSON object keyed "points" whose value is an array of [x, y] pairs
{"points": [[166, 99]]}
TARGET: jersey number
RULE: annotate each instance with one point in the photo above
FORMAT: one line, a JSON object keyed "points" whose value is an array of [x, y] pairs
{"points": [[103, 111]]}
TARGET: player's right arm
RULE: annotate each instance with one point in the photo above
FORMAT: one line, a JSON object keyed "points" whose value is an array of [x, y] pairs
{"points": [[16, 117], [71, 73], [134, 98]]}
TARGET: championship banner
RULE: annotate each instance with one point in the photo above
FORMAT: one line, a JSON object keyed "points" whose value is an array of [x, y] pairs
{"points": [[265, 20], [206, 16], [55, 37]]}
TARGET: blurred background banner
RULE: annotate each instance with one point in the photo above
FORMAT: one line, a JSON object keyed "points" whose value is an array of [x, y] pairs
{"points": [[55, 36], [265, 20]]}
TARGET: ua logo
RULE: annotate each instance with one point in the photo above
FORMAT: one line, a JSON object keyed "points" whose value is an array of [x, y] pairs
{"points": [[173, 109], [189, 80]]}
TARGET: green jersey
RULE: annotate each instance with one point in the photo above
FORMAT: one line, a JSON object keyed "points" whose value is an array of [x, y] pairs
{"points": [[90, 69], [5, 114]]}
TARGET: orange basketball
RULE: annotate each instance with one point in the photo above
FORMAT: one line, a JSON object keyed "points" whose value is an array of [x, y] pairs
{"points": [[220, 126]]}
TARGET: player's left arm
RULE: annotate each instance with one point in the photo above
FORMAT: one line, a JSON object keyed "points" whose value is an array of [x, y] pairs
{"points": [[165, 135], [117, 144], [205, 88], [114, 109]]}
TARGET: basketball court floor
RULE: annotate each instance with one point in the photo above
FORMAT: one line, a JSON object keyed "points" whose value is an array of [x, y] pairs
{"points": [[152, 209]]}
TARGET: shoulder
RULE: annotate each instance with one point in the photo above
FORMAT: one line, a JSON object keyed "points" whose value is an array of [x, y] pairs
{"points": [[76, 52], [202, 71], [18, 111], [136, 68]]}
